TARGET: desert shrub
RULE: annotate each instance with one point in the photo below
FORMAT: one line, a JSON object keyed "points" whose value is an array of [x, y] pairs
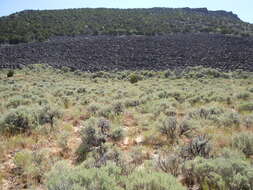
{"points": [[169, 163], [244, 143], [89, 140], [134, 78], [117, 134], [66, 101], [229, 119], [248, 106], [81, 90], [168, 127], [18, 120], [93, 108], [106, 153], [219, 173], [178, 95], [137, 155], [250, 90], [199, 146], [205, 113], [132, 102], [200, 72], [64, 177], [168, 73], [118, 108], [33, 164], [62, 140], [163, 94], [195, 99], [158, 107], [104, 125], [10, 73], [150, 180], [84, 101], [229, 153], [23, 159], [243, 95], [148, 74], [93, 136], [48, 114], [240, 74], [171, 112], [17, 101], [185, 127], [248, 121], [105, 111]]}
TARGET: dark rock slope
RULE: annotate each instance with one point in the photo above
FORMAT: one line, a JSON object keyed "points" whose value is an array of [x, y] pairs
{"points": [[96, 53]]}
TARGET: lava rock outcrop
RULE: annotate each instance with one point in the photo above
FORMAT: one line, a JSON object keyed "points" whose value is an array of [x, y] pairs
{"points": [[96, 53]]}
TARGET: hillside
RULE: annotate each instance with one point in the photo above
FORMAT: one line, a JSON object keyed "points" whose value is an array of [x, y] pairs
{"points": [[108, 131], [30, 25], [96, 53]]}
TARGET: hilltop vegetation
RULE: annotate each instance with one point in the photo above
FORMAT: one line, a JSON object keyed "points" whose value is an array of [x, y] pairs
{"points": [[31, 25], [127, 130]]}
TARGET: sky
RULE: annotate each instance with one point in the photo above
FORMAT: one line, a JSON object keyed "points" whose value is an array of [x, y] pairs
{"points": [[243, 8]]}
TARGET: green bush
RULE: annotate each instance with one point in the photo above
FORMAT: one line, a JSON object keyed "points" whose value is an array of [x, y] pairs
{"points": [[251, 90], [105, 111], [199, 146], [243, 95], [219, 173], [81, 90], [169, 163], [104, 125], [17, 101], [133, 78], [93, 136], [64, 177], [206, 113], [248, 121], [151, 180], [10, 73], [244, 142], [93, 108], [23, 119], [168, 127], [18, 120], [48, 114], [132, 102], [168, 73], [248, 106], [117, 134], [185, 127], [118, 108], [104, 154], [32, 164]]}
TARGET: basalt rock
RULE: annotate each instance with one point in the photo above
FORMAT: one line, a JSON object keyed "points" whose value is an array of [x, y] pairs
{"points": [[96, 53]]}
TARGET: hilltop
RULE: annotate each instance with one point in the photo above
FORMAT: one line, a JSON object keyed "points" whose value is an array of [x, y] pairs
{"points": [[35, 25]]}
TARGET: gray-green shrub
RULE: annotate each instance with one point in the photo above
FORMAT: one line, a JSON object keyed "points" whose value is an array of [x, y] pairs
{"points": [[117, 134], [199, 146], [151, 180], [10, 73], [23, 119], [243, 142], [219, 173], [18, 120], [168, 127], [64, 177], [248, 106]]}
